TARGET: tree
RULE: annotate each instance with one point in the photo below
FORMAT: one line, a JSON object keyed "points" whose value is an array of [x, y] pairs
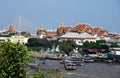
{"points": [[32, 41], [54, 43], [36, 42], [67, 46], [113, 44], [13, 58], [100, 41], [100, 45], [86, 45]]}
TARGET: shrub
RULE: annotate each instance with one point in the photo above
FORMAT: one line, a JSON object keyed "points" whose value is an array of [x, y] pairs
{"points": [[13, 58]]}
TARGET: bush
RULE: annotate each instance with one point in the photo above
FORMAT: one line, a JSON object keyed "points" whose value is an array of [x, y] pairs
{"points": [[39, 74], [13, 58]]}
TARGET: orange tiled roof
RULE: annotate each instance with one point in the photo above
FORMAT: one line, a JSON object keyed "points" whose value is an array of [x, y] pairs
{"points": [[88, 30], [51, 33], [117, 37], [60, 29], [103, 33], [96, 30], [68, 29], [80, 27], [83, 28]]}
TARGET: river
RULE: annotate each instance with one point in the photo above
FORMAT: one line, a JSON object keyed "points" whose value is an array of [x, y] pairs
{"points": [[89, 70]]}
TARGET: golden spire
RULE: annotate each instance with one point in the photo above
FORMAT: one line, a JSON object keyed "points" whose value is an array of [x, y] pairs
{"points": [[11, 28], [62, 24]]}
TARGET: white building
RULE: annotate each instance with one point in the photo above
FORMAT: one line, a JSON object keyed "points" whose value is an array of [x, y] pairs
{"points": [[3, 38], [19, 38], [102, 38], [78, 38], [15, 39]]}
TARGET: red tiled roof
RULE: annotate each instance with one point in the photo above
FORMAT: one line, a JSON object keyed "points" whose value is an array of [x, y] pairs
{"points": [[80, 27], [60, 29], [96, 30], [68, 29], [51, 33], [83, 28], [103, 33], [117, 36], [88, 30]]}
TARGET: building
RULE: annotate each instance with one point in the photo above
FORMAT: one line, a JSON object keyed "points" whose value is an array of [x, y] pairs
{"points": [[81, 28], [41, 33], [3, 39], [15, 39], [26, 34], [114, 37], [11, 29], [61, 29], [14, 35], [19, 39], [51, 35], [78, 38]]}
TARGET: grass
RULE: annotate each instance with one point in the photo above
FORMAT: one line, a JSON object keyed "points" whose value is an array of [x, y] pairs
{"points": [[49, 73]]}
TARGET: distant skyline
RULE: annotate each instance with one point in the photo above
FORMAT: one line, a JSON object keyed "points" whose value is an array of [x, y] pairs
{"points": [[50, 13]]}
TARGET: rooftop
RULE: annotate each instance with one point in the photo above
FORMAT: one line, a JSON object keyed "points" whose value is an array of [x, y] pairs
{"points": [[77, 35]]}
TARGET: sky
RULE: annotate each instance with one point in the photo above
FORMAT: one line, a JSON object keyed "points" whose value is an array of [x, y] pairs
{"points": [[50, 13]]}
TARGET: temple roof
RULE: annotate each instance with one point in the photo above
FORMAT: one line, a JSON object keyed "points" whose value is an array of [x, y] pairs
{"points": [[11, 28], [41, 30], [76, 35]]}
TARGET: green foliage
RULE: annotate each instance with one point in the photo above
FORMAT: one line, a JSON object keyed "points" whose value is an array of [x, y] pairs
{"points": [[114, 45], [100, 41], [86, 45], [55, 42], [36, 42], [39, 74], [32, 41], [13, 58], [67, 46], [100, 44], [36, 48]]}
